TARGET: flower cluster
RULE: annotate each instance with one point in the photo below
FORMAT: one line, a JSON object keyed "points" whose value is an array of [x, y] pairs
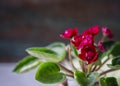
{"points": [[84, 42]]}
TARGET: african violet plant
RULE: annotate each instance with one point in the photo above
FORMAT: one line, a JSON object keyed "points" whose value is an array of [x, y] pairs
{"points": [[82, 47]]}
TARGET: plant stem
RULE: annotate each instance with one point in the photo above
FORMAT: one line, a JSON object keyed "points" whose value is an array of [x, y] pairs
{"points": [[107, 71], [65, 83], [102, 63], [82, 64], [103, 38], [89, 68], [96, 83], [65, 69], [70, 57], [70, 75], [94, 68]]}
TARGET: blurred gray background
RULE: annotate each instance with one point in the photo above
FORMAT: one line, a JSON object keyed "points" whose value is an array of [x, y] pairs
{"points": [[28, 23]]}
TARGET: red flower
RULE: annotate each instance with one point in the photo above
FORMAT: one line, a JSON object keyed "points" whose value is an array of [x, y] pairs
{"points": [[76, 40], [80, 41], [69, 33], [86, 41], [88, 54], [93, 31], [107, 32], [101, 46]]}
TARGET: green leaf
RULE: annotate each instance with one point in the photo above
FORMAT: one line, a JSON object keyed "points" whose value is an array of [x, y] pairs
{"points": [[59, 48], [43, 54], [102, 82], [84, 80], [74, 50], [115, 63], [80, 78], [92, 78], [113, 67], [49, 73], [54, 52], [26, 64], [109, 81], [115, 51]]}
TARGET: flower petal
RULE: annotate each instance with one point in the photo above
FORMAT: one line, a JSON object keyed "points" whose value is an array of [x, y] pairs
{"points": [[95, 30], [69, 33]]}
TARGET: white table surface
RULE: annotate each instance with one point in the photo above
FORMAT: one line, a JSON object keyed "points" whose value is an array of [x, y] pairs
{"points": [[9, 78]]}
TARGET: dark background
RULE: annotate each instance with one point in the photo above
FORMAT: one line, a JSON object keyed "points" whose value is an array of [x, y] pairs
{"points": [[28, 23]]}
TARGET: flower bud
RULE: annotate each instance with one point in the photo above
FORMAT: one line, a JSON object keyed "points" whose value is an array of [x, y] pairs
{"points": [[106, 32], [101, 46]]}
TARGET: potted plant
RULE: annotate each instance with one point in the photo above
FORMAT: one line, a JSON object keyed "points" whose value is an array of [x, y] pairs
{"points": [[90, 56]]}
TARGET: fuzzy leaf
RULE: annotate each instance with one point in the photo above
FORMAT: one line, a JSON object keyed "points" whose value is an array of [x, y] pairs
{"points": [[115, 51], [54, 52], [26, 64], [115, 63], [109, 81], [113, 67], [80, 78], [75, 50], [59, 48], [102, 82], [92, 78], [84, 80], [49, 73]]}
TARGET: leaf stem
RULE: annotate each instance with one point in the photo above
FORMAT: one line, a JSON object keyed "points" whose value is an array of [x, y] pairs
{"points": [[103, 38], [94, 68], [82, 64], [108, 71], [89, 68], [103, 63], [65, 83], [70, 75], [65, 69], [70, 57]]}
